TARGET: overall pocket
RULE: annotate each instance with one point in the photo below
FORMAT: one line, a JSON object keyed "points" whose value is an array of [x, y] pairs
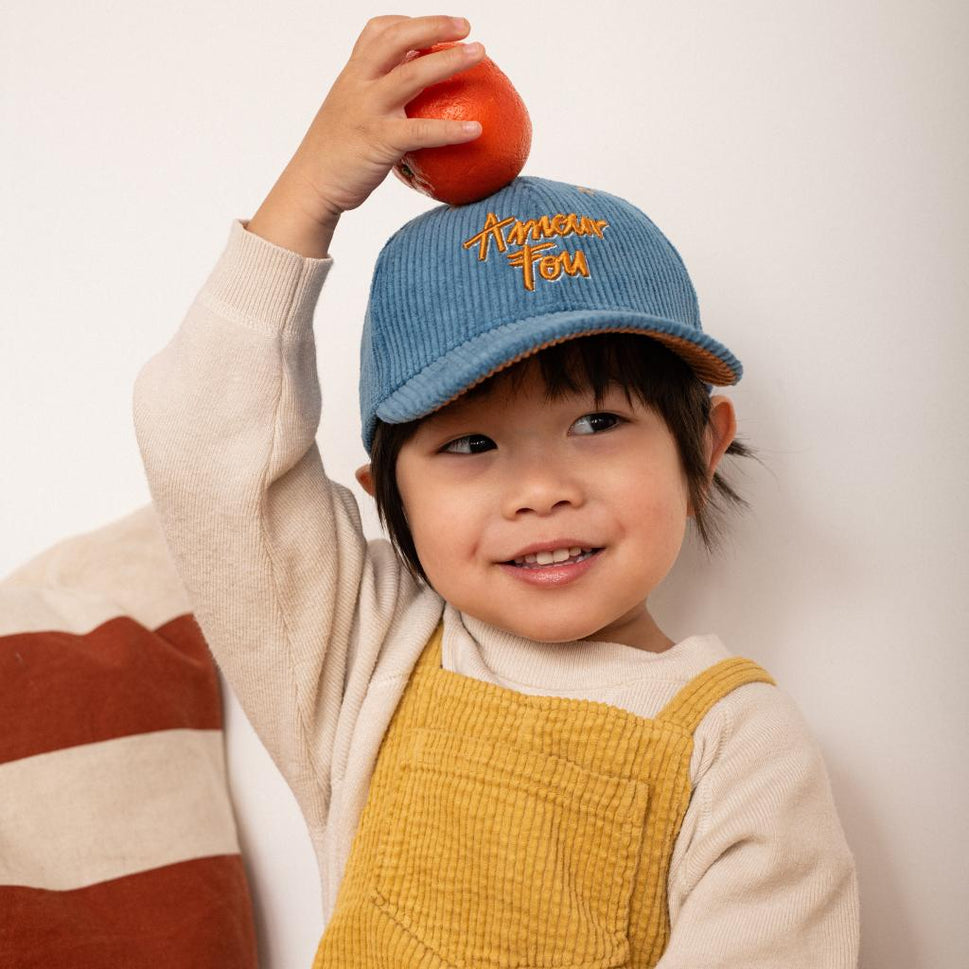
{"points": [[495, 857]]}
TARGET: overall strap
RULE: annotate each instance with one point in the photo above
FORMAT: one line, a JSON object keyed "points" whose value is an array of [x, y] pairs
{"points": [[430, 657], [694, 700]]}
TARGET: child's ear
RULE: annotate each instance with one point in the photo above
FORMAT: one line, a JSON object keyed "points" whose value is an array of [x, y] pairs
{"points": [[365, 478], [721, 430]]}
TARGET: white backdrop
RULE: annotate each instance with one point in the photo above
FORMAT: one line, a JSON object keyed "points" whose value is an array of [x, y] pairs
{"points": [[809, 162]]}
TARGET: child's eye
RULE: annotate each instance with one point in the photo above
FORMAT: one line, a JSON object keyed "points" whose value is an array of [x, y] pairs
{"points": [[596, 423], [469, 444]]}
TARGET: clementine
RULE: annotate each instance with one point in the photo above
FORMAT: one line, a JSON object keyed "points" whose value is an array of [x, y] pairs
{"points": [[469, 171]]}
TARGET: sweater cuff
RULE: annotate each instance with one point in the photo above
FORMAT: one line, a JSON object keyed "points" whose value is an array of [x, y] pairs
{"points": [[264, 286]]}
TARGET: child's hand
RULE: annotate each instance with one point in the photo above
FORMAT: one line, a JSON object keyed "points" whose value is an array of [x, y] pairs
{"points": [[361, 130]]}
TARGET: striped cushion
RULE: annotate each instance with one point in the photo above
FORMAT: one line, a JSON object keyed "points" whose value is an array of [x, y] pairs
{"points": [[118, 845]]}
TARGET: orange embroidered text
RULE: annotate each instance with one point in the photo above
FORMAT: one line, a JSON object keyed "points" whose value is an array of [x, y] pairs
{"points": [[550, 265]]}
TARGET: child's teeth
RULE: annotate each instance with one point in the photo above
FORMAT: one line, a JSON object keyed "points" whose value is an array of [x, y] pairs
{"points": [[551, 558]]}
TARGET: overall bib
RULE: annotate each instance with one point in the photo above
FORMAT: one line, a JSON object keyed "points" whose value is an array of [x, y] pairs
{"points": [[505, 830]]}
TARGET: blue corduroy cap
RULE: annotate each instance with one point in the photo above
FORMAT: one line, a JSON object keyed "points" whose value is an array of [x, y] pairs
{"points": [[461, 292]]}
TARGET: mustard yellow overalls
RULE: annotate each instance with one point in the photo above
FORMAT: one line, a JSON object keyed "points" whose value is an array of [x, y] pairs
{"points": [[508, 830]]}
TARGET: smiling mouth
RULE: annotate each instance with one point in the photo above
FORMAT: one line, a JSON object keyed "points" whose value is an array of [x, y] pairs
{"points": [[545, 560]]}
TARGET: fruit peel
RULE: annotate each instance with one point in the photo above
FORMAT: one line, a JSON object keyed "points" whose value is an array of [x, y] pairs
{"points": [[466, 172]]}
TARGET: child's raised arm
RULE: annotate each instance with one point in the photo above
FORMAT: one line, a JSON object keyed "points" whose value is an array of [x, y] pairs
{"points": [[295, 604], [361, 130]]}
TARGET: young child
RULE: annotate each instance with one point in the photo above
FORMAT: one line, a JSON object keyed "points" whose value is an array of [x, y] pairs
{"points": [[502, 759]]}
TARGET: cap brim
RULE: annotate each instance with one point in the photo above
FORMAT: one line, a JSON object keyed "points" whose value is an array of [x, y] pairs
{"points": [[474, 361]]}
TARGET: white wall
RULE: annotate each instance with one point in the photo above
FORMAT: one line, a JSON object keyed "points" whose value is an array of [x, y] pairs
{"points": [[808, 160]]}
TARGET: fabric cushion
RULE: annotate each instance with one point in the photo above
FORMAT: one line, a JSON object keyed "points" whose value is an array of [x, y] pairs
{"points": [[118, 843]]}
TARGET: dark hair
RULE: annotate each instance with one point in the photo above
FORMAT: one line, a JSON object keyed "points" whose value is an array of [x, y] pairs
{"points": [[659, 378]]}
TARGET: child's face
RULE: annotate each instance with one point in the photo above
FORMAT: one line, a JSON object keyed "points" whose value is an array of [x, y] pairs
{"points": [[485, 480]]}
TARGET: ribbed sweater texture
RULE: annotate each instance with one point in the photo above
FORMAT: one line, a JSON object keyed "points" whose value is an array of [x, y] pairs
{"points": [[318, 630]]}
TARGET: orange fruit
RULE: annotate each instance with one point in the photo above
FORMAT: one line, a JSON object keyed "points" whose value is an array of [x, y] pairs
{"points": [[469, 171]]}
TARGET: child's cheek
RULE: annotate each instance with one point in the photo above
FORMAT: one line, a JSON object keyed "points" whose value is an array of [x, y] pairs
{"points": [[440, 528]]}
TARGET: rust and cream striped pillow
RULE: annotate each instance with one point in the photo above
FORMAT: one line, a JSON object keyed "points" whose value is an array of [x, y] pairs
{"points": [[118, 843]]}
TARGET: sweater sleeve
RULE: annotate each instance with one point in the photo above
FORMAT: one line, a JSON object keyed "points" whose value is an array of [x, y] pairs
{"points": [[291, 598], [762, 875]]}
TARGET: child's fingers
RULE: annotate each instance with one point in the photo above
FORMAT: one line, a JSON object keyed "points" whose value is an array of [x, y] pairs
{"points": [[383, 46], [374, 26], [407, 80], [409, 134]]}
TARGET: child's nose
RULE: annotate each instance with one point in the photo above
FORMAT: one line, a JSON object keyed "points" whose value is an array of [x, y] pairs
{"points": [[539, 483]]}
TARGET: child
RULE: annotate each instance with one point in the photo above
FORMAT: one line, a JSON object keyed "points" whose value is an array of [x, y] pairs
{"points": [[501, 758]]}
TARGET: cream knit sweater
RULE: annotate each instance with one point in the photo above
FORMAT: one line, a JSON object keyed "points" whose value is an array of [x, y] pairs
{"points": [[317, 629]]}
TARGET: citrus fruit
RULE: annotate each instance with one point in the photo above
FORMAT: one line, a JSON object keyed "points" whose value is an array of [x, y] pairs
{"points": [[469, 171]]}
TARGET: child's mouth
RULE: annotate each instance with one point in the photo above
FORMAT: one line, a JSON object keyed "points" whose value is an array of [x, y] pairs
{"points": [[573, 563], [544, 560]]}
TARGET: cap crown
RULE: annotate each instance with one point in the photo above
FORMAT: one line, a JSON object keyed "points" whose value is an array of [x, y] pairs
{"points": [[462, 291]]}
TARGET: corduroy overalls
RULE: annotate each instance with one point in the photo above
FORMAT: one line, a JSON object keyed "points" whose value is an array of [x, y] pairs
{"points": [[504, 830]]}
